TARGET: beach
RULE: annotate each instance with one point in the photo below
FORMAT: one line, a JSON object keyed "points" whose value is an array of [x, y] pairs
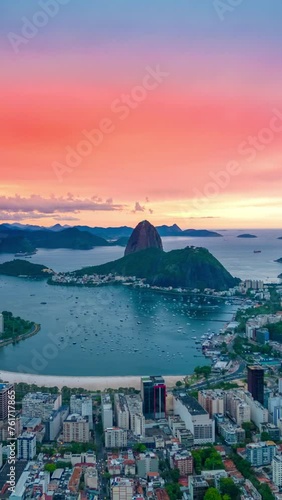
{"points": [[88, 383]]}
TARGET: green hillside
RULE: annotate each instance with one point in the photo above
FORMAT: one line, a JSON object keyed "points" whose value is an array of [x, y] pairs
{"points": [[190, 268]]}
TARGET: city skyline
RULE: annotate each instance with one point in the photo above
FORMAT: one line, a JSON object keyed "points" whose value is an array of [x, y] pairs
{"points": [[116, 113]]}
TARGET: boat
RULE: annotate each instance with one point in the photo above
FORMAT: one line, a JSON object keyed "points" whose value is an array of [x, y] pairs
{"points": [[257, 251]]}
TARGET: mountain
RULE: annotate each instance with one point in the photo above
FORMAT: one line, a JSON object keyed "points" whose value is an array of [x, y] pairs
{"points": [[19, 267], [279, 260], [191, 268], [108, 233], [20, 240], [173, 230], [144, 236], [247, 235], [200, 233]]}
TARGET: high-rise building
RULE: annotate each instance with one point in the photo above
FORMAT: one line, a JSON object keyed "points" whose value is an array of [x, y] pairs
{"points": [[107, 411], [115, 437], [82, 404], [261, 453], [195, 418], [26, 446], [4, 398], [255, 382], [277, 470], [39, 404], [121, 411], [76, 428], [153, 392]]}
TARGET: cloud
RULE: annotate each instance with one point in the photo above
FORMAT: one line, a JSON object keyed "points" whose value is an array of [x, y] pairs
{"points": [[138, 208], [40, 206], [22, 216]]}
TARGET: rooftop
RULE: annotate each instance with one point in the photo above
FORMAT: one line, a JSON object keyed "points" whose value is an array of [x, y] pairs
{"points": [[192, 405]]}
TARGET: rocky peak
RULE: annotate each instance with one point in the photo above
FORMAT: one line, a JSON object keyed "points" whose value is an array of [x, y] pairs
{"points": [[144, 236]]}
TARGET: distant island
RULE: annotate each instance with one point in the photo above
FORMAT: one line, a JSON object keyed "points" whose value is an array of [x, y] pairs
{"points": [[279, 260], [247, 235], [26, 239], [24, 268]]}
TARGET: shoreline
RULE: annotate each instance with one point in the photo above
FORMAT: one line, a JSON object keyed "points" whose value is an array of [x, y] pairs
{"points": [[89, 383]]}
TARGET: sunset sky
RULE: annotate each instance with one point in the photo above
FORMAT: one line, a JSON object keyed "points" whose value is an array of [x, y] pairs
{"points": [[182, 99]]}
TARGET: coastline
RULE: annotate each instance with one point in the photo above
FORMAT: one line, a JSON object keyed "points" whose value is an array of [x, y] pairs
{"points": [[88, 383]]}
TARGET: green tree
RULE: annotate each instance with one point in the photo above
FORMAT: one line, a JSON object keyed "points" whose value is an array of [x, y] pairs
{"points": [[178, 383], [229, 488], [50, 467], [173, 491], [265, 436], [212, 494]]}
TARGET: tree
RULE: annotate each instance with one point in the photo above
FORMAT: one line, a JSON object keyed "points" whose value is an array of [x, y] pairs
{"points": [[212, 494], [173, 491], [228, 487], [178, 383], [265, 436], [140, 447], [50, 467]]}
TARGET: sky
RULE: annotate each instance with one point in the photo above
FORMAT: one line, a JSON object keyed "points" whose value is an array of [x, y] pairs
{"points": [[118, 111]]}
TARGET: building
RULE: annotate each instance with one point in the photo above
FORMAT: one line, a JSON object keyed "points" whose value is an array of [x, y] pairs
{"points": [[147, 462], [198, 487], [262, 335], [91, 478], [82, 405], [106, 411], [230, 432], [255, 382], [137, 419], [115, 437], [122, 488], [153, 392], [212, 401], [277, 470], [272, 430], [196, 418], [26, 446], [54, 424], [262, 453], [1, 324], [121, 412], [259, 414], [5, 389], [76, 428], [40, 404], [185, 437], [184, 462], [237, 408]]}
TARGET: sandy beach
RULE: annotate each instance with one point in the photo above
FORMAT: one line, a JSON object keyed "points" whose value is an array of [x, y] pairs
{"points": [[89, 383]]}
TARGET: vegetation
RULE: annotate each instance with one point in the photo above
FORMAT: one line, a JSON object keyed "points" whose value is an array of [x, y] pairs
{"points": [[246, 470], [204, 371], [207, 459], [15, 326], [212, 494], [229, 488], [18, 267], [190, 267]]}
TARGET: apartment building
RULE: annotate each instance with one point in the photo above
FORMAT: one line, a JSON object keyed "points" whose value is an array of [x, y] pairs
{"points": [[39, 404], [115, 437], [212, 401], [82, 404], [76, 428], [106, 411], [26, 446]]}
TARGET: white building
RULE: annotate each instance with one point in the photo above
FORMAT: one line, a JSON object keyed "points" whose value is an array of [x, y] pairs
{"points": [[107, 411], [277, 470], [115, 438], [82, 405], [136, 417], [39, 404], [196, 418], [212, 401], [259, 414], [26, 446], [121, 411]]}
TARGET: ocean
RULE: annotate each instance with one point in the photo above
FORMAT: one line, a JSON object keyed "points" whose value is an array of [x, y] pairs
{"points": [[115, 330]]}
